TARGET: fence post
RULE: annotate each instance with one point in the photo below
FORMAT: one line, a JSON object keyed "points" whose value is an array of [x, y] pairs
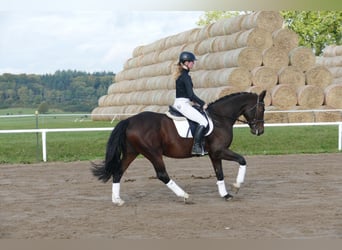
{"points": [[44, 144], [340, 136]]}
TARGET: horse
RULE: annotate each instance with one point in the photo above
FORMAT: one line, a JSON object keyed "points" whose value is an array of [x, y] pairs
{"points": [[154, 135]]}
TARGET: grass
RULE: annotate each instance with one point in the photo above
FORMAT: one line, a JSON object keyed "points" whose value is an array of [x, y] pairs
{"points": [[73, 146]]}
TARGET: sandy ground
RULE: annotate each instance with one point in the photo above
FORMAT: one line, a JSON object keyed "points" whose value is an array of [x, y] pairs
{"points": [[287, 197]]}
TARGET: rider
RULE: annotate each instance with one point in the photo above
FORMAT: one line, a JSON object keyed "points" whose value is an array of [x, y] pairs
{"points": [[185, 97]]}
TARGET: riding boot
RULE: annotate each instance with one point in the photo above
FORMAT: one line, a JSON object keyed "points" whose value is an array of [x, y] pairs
{"points": [[197, 148]]}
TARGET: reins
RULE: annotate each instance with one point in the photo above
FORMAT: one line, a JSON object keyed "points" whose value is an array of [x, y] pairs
{"points": [[255, 119]]}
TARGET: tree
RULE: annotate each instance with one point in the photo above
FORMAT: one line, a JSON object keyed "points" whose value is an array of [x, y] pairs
{"points": [[43, 108], [315, 29]]}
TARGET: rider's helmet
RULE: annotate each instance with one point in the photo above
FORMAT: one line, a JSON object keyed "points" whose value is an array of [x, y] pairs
{"points": [[186, 56]]}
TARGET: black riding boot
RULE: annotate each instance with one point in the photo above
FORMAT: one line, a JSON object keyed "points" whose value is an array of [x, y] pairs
{"points": [[197, 148]]}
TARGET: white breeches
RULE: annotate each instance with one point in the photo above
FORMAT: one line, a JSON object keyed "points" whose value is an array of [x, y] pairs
{"points": [[184, 106]]}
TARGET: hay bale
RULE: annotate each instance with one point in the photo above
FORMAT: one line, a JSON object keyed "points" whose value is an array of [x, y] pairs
{"points": [[205, 46], [336, 71], [258, 90], [333, 96], [226, 26], [228, 42], [337, 80], [291, 75], [264, 77], [169, 54], [327, 115], [283, 96], [332, 51], [178, 39], [268, 20], [275, 58], [303, 58], [319, 76], [247, 57], [256, 37], [272, 115], [329, 61], [298, 117], [310, 96], [238, 77], [285, 39]]}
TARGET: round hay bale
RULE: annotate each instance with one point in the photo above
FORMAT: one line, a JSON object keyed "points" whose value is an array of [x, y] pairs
{"points": [[137, 51], [283, 96], [285, 39], [228, 42], [272, 115], [170, 54], [310, 96], [258, 90], [193, 36], [255, 37], [210, 61], [332, 51], [205, 46], [238, 77], [264, 77], [337, 80], [303, 58], [325, 114], [199, 78], [292, 76], [275, 58], [225, 26], [228, 90], [101, 100], [336, 71], [335, 61], [299, 117], [177, 39], [319, 76], [268, 20], [247, 57], [333, 96]]}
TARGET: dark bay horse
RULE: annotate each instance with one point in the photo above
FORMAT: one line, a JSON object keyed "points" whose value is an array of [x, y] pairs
{"points": [[154, 135]]}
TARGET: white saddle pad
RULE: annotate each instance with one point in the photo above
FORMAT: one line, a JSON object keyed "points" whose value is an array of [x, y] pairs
{"points": [[183, 127]]}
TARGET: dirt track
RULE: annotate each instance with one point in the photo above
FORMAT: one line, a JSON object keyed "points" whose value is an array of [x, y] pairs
{"points": [[293, 196]]}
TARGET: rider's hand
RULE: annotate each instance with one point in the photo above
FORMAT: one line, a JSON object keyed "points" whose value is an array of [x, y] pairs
{"points": [[205, 106]]}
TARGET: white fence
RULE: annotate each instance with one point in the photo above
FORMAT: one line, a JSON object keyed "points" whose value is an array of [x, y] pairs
{"points": [[44, 131]]}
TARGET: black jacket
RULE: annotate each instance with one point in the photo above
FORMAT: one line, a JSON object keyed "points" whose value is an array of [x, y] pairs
{"points": [[184, 88]]}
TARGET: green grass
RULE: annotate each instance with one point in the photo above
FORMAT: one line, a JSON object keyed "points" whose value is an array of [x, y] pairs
{"points": [[73, 146]]}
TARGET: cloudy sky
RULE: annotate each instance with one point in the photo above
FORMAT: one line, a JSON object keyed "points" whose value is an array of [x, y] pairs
{"points": [[43, 41]]}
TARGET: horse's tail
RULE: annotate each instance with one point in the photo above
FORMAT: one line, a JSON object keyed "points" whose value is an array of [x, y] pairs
{"points": [[116, 146]]}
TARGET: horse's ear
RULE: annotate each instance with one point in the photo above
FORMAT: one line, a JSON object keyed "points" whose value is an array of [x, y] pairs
{"points": [[262, 95]]}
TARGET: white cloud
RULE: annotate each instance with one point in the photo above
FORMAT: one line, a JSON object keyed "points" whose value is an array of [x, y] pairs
{"points": [[45, 41]]}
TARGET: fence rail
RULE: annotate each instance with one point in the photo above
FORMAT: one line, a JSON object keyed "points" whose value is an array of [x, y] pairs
{"points": [[45, 131]]}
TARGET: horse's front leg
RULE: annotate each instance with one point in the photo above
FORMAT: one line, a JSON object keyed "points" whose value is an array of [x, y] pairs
{"points": [[217, 164], [240, 178]]}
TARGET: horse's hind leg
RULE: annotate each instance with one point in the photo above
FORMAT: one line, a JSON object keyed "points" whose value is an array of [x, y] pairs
{"points": [[162, 175], [126, 161]]}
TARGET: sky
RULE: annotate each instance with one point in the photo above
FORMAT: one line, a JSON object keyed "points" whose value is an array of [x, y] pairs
{"points": [[44, 41]]}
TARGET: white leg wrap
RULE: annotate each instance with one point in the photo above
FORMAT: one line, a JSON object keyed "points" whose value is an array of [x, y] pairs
{"points": [[116, 194], [241, 174], [176, 189], [222, 188]]}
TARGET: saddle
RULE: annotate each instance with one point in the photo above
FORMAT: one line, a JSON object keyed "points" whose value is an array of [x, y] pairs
{"points": [[186, 127]]}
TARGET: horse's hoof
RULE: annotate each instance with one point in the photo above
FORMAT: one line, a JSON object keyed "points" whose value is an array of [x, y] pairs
{"points": [[235, 187], [189, 200], [228, 197], [118, 202]]}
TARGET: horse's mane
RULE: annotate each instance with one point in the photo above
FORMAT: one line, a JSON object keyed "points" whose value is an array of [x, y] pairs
{"points": [[231, 96]]}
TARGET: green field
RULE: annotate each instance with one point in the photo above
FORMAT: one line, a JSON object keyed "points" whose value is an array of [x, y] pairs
{"points": [[73, 146]]}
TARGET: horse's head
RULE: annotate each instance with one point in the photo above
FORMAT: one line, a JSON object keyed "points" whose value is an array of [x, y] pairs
{"points": [[254, 115]]}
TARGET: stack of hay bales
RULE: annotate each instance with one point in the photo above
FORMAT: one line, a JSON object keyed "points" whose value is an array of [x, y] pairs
{"points": [[245, 53]]}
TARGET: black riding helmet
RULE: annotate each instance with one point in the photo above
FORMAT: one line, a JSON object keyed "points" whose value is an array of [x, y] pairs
{"points": [[186, 56]]}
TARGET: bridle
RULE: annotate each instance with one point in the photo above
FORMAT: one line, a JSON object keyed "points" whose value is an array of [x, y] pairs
{"points": [[255, 120]]}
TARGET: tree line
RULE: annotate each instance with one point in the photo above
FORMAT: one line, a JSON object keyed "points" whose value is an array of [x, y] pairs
{"points": [[67, 90]]}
